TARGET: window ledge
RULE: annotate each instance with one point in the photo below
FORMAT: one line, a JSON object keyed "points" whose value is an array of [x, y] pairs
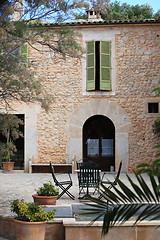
{"points": [[98, 93]]}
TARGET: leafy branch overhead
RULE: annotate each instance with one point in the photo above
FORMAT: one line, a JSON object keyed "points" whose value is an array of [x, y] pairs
{"points": [[23, 24]]}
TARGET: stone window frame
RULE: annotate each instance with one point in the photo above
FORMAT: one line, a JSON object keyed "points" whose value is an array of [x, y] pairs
{"points": [[152, 100], [99, 35]]}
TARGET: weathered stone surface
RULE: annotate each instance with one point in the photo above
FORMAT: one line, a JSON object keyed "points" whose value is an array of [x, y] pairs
{"points": [[135, 73]]}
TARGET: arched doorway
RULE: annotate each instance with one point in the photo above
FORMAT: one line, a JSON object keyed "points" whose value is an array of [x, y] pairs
{"points": [[99, 141]]}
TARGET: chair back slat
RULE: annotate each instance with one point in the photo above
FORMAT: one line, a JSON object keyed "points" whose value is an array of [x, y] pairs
{"points": [[88, 176], [119, 171], [53, 175]]}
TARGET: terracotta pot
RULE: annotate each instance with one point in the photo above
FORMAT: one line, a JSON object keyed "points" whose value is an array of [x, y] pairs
{"points": [[8, 167], [45, 200], [30, 230]]}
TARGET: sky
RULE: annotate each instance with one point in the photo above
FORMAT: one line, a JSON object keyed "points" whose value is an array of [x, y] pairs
{"points": [[155, 4]]}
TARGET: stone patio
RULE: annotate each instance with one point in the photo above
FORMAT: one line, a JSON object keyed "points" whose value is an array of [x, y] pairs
{"points": [[23, 185]]}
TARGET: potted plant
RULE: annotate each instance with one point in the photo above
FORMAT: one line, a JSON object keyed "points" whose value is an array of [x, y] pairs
{"points": [[9, 129], [46, 195], [31, 219]]}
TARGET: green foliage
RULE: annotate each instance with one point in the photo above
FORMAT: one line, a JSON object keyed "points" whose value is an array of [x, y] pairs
{"points": [[9, 128], [67, 43], [24, 86], [157, 14], [7, 150], [30, 212], [5, 10], [152, 169], [124, 11], [47, 190], [156, 126], [121, 202], [20, 29], [157, 91]]}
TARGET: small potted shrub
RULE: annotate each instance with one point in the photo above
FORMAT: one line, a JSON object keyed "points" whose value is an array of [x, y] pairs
{"points": [[30, 221], [9, 129], [46, 195]]}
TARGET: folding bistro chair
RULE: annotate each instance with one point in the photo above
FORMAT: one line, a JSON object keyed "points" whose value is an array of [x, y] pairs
{"points": [[64, 186], [110, 183], [88, 177], [104, 182]]}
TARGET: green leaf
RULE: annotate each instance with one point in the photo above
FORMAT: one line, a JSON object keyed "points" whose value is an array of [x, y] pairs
{"points": [[114, 210], [142, 165], [155, 188], [129, 194], [147, 193], [139, 193]]}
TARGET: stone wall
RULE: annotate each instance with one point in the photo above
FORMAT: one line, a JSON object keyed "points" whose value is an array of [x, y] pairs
{"points": [[135, 72]]}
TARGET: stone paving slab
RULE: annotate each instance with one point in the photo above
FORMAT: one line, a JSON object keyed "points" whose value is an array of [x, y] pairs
{"points": [[22, 186]]}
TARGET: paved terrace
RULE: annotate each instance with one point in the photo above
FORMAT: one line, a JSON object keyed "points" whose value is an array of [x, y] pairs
{"points": [[23, 185]]}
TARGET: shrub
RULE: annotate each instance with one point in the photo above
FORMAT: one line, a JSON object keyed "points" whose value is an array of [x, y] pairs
{"points": [[156, 126], [47, 190], [30, 212]]}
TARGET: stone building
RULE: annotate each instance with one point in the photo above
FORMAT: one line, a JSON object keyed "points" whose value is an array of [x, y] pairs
{"points": [[104, 107]]}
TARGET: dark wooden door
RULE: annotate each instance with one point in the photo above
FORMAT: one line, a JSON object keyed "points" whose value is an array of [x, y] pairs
{"points": [[99, 141]]}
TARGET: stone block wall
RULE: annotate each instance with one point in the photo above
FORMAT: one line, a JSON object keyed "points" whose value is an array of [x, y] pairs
{"points": [[135, 75]]}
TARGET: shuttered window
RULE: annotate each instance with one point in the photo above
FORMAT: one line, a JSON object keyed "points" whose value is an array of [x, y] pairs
{"points": [[105, 65], [24, 54], [91, 65], [98, 65]]}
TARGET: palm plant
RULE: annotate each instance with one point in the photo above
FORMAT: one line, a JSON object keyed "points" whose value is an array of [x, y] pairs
{"points": [[120, 203], [152, 168]]}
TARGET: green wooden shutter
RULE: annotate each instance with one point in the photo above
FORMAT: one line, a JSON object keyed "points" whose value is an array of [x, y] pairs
{"points": [[90, 82], [1, 52], [24, 54], [105, 65]]}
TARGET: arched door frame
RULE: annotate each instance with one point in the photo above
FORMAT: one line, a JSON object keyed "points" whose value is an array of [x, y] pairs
{"points": [[99, 141], [115, 113]]}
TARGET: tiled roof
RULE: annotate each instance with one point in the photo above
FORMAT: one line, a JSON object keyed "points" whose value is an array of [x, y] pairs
{"points": [[102, 23]]}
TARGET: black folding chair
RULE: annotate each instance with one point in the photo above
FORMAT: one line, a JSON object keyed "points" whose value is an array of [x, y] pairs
{"points": [[111, 183], [64, 186], [88, 177]]}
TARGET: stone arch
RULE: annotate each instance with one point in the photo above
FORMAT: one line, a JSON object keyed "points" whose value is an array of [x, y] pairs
{"points": [[109, 109]]}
